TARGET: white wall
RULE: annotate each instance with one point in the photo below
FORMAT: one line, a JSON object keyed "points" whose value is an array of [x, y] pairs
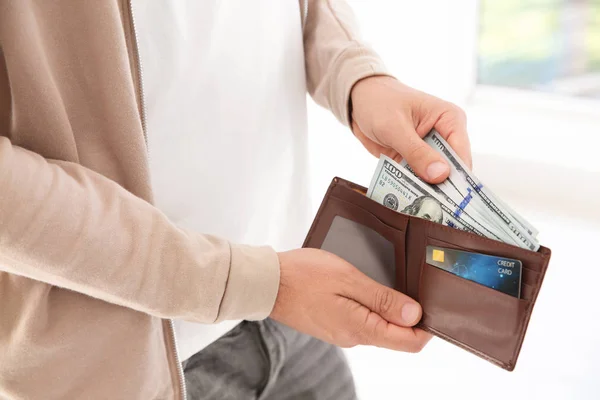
{"points": [[541, 156]]}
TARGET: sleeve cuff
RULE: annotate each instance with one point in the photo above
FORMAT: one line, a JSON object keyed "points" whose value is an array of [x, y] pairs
{"points": [[252, 285], [353, 64]]}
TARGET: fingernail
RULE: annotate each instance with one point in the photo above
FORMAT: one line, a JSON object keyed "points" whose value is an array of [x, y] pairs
{"points": [[436, 169], [410, 313]]}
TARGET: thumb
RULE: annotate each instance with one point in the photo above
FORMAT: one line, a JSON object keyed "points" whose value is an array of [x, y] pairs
{"points": [[393, 306], [422, 158]]}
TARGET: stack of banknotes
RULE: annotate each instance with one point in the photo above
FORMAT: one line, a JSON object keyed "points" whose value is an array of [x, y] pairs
{"points": [[462, 201]]}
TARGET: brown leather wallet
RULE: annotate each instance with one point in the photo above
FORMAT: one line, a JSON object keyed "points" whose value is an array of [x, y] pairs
{"points": [[390, 248]]}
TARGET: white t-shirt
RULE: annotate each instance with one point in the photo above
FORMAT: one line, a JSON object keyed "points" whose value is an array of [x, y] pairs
{"points": [[225, 102]]}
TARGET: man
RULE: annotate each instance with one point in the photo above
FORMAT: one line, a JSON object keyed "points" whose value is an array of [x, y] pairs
{"points": [[108, 176]]}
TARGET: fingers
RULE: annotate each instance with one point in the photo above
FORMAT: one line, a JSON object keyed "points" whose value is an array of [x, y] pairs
{"points": [[390, 304], [383, 317], [423, 159], [400, 134], [372, 147], [462, 147], [452, 125]]}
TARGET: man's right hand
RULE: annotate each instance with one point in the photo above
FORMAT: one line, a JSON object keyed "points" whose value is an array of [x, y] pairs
{"points": [[324, 296]]}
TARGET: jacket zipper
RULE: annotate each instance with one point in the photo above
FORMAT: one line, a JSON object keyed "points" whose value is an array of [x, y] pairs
{"points": [[305, 14], [182, 387], [140, 74], [179, 367]]}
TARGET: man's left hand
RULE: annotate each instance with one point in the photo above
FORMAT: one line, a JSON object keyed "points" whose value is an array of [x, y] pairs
{"points": [[391, 118]]}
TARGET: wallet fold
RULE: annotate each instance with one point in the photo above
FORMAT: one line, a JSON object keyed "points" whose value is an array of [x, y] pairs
{"points": [[390, 248]]}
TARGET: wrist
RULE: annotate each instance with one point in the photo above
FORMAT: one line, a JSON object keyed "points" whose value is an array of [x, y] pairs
{"points": [[282, 292], [362, 84], [365, 85]]}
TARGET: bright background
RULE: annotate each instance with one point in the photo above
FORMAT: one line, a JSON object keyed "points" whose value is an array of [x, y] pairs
{"points": [[550, 45], [540, 153]]}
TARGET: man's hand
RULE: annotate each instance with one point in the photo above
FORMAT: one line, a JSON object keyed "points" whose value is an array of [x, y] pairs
{"points": [[391, 118], [322, 295]]}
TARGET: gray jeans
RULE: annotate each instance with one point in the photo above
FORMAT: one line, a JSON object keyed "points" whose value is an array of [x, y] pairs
{"points": [[268, 361]]}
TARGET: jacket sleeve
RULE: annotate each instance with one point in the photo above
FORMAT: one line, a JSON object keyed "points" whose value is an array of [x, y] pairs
{"points": [[335, 56], [66, 225]]}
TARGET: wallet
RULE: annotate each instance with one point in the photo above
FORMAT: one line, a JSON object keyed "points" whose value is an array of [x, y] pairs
{"points": [[390, 248]]}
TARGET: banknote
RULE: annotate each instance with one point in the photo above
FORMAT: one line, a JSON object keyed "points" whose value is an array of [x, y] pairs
{"points": [[436, 140], [530, 228], [397, 188], [486, 203], [466, 208]]}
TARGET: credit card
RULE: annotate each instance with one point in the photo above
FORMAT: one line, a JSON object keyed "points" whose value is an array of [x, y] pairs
{"points": [[500, 273]]}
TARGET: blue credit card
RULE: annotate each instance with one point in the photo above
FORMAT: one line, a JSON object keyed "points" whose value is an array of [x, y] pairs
{"points": [[500, 273]]}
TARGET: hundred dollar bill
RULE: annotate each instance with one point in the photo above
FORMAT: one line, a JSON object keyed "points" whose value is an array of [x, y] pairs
{"points": [[465, 209], [463, 198], [460, 174], [460, 189], [530, 228], [397, 188], [462, 179]]}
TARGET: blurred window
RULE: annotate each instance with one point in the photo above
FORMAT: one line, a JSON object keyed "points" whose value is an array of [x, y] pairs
{"points": [[542, 45]]}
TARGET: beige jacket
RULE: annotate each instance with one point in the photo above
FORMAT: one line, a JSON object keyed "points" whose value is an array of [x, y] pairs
{"points": [[91, 273]]}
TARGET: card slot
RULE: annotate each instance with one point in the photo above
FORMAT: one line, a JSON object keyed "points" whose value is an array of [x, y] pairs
{"points": [[336, 202], [442, 243], [464, 287], [527, 291], [355, 195], [472, 315], [535, 261], [467, 282], [528, 275], [373, 220]]}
